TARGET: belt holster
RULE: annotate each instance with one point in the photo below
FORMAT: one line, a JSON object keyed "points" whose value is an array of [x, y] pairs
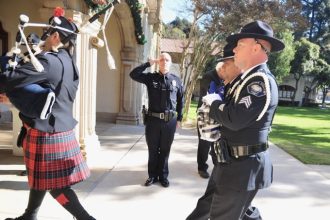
{"points": [[21, 136], [221, 151], [144, 114]]}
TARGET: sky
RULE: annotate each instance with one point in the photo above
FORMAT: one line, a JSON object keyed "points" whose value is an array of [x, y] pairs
{"points": [[171, 9]]}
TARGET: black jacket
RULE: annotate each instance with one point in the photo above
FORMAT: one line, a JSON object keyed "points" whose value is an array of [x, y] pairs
{"points": [[61, 74], [246, 116]]}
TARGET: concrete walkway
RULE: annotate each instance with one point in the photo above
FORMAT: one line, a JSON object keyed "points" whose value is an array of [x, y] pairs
{"points": [[119, 169]]}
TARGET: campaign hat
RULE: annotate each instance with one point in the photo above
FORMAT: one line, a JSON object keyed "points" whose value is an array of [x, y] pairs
{"points": [[258, 30], [227, 52]]}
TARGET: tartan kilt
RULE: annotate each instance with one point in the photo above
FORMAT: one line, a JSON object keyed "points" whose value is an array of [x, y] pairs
{"points": [[53, 160]]}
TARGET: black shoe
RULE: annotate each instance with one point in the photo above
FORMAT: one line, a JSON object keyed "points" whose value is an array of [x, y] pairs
{"points": [[150, 181], [89, 218], [165, 183], [204, 174], [18, 218], [23, 173], [24, 217]]}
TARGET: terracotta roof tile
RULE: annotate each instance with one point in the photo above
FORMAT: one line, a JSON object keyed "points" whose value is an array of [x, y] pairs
{"points": [[173, 45], [176, 46]]}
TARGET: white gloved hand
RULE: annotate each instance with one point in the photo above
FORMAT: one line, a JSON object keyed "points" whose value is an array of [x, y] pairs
{"points": [[208, 99], [13, 50]]}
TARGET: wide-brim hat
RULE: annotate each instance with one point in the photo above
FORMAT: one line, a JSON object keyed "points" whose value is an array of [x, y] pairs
{"points": [[259, 30], [227, 52]]}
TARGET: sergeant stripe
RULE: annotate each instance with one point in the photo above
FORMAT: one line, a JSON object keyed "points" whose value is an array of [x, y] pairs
{"points": [[267, 88], [246, 101]]}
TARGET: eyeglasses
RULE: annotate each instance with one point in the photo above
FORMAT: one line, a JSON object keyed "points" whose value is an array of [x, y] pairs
{"points": [[262, 46]]}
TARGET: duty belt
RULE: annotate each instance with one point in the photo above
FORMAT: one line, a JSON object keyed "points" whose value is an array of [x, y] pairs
{"points": [[166, 116], [240, 151]]}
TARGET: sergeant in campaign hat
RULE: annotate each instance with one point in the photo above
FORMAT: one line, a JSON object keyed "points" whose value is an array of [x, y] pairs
{"points": [[246, 115]]}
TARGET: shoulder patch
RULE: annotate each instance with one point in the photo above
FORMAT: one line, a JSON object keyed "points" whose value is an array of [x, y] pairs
{"points": [[257, 89]]}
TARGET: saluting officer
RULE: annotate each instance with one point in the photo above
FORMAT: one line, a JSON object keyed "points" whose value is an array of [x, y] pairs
{"points": [[246, 117], [165, 92]]}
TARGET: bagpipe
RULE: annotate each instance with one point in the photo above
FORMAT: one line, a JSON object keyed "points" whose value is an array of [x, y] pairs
{"points": [[55, 24], [36, 100]]}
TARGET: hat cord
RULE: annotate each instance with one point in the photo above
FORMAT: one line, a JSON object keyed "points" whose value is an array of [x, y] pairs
{"points": [[110, 59]]}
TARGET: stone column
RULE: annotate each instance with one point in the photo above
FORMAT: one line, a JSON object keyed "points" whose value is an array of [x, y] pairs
{"points": [[87, 64], [17, 124], [130, 95], [86, 60]]}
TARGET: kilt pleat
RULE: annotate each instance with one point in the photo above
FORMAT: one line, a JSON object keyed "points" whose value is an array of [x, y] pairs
{"points": [[53, 160]]}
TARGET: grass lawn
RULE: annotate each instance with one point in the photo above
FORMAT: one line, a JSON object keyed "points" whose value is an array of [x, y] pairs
{"points": [[304, 133], [192, 111]]}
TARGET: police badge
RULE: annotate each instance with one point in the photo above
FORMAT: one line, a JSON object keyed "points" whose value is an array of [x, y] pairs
{"points": [[173, 83]]}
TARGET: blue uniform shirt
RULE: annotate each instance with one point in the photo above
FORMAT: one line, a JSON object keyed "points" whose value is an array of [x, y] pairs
{"points": [[165, 92]]}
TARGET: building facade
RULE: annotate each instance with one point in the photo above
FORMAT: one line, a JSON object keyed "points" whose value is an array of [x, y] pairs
{"points": [[104, 94]]}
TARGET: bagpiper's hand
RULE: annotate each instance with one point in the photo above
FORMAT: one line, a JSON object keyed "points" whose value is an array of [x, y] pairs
{"points": [[13, 50], [210, 98]]}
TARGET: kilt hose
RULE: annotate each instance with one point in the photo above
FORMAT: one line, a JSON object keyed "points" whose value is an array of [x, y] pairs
{"points": [[53, 160]]}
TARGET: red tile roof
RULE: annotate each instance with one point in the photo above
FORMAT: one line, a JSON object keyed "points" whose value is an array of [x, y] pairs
{"points": [[173, 45], [176, 46]]}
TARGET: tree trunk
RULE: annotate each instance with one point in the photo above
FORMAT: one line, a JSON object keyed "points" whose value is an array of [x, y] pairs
{"points": [[324, 92], [189, 92], [295, 91]]}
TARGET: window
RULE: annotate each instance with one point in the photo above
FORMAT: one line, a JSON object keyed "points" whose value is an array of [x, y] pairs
{"points": [[286, 92]]}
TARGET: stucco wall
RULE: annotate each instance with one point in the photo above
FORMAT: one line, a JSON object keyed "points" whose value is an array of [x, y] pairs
{"points": [[108, 81], [9, 16]]}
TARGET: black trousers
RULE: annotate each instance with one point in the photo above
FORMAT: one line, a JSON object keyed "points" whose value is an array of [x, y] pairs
{"points": [[159, 137], [219, 203], [204, 149]]}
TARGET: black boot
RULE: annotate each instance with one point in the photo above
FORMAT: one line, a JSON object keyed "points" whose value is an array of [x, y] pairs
{"points": [[89, 218]]}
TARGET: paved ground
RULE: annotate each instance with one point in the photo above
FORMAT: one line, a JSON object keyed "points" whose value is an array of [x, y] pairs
{"points": [[115, 189]]}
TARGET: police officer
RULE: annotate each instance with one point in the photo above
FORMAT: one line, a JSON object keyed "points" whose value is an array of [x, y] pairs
{"points": [[230, 74], [165, 92], [210, 83], [246, 117]]}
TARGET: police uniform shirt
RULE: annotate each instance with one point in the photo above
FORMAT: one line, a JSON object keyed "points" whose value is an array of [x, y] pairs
{"points": [[246, 114], [165, 92]]}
